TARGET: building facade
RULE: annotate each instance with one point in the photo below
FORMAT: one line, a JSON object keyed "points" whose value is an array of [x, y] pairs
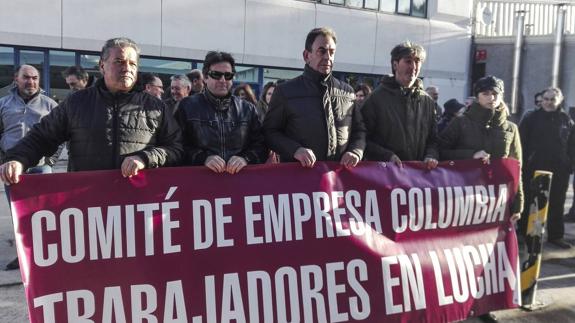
{"points": [[265, 36]]}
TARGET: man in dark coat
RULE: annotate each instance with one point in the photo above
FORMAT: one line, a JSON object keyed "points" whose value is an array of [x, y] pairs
{"points": [[312, 117], [399, 116], [108, 126]]}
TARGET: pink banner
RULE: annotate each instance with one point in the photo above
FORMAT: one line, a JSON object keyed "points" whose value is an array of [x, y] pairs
{"points": [[274, 243]]}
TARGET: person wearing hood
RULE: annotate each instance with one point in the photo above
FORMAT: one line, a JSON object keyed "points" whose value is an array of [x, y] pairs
{"points": [[549, 144], [451, 109], [220, 130], [400, 118], [313, 116]]}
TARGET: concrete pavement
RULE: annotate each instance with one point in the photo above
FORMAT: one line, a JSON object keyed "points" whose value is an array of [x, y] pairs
{"points": [[556, 286]]}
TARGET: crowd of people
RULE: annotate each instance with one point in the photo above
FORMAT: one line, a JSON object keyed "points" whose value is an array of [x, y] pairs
{"points": [[117, 123]]}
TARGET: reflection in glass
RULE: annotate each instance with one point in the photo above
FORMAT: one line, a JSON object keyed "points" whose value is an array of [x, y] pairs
{"points": [[355, 3], [419, 8], [59, 61], [341, 2], [273, 74], [403, 6], [371, 4], [387, 5], [246, 73], [6, 69]]}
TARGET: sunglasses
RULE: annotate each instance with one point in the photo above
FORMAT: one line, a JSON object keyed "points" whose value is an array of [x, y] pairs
{"points": [[218, 75]]}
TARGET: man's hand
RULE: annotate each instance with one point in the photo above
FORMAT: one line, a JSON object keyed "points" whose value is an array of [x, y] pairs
{"points": [[235, 164], [394, 159], [431, 163], [349, 159], [216, 163], [131, 165], [10, 172], [305, 156], [483, 155]]}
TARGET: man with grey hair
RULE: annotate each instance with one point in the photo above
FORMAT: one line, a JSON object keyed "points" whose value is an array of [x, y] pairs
{"points": [[197, 78], [108, 125], [180, 88], [399, 116]]}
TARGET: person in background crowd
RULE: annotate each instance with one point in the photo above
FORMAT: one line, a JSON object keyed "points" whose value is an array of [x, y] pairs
{"points": [[180, 88], [265, 99], [483, 132], [197, 79], [313, 117], [152, 84], [76, 78], [23, 107], [549, 144], [451, 109], [206, 119], [399, 115], [362, 91], [538, 100], [99, 124], [245, 92], [433, 92]]}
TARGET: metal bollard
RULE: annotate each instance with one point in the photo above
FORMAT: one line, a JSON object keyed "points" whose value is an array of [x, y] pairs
{"points": [[531, 263]]}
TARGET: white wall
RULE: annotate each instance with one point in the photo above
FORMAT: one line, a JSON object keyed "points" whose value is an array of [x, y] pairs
{"points": [[257, 32]]}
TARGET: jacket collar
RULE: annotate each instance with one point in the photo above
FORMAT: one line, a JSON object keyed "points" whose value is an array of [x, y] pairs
{"points": [[315, 76], [389, 83], [118, 97], [15, 93], [218, 103], [488, 117]]}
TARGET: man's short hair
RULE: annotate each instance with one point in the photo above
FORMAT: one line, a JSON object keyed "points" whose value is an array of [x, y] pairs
{"points": [[120, 42], [182, 78], [321, 31], [194, 75], [214, 57], [77, 71], [19, 67], [407, 49], [147, 78]]}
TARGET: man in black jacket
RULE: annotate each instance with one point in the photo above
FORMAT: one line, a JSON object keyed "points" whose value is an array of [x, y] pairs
{"points": [[108, 126], [312, 117], [220, 130]]}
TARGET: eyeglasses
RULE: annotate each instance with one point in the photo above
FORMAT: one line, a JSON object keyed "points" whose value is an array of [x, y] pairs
{"points": [[218, 75]]}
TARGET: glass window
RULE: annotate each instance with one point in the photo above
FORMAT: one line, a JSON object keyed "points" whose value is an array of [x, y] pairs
{"points": [[59, 61], [164, 68], [355, 3], [340, 2], [419, 8], [387, 5], [90, 63], [273, 74], [371, 4], [246, 74], [403, 6], [6, 69], [36, 59]]}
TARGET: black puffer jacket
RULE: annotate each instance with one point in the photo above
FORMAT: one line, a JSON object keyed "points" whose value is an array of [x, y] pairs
{"points": [[225, 128], [400, 121], [297, 118], [102, 129]]}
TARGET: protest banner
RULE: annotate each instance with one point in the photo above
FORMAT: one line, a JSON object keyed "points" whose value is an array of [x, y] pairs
{"points": [[274, 243]]}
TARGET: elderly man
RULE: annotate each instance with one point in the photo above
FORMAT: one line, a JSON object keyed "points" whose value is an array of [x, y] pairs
{"points": [[76, 78], [152, 84], [220, 130], [399, 116], [108, 125], [180, 88], [197, 79], [313, 117], [22, 108]]}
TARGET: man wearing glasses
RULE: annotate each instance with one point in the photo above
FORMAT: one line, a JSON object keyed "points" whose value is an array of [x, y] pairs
{"points": [[313, 117], [220, 130]]}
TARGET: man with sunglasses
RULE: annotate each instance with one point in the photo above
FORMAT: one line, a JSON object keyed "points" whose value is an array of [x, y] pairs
{"points": [[220, 130], [313, 117]]}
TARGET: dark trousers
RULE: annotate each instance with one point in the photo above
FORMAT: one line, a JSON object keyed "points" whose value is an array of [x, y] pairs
{"points": [[559, 185]]}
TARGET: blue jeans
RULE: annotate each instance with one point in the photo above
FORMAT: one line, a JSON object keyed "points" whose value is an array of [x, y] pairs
{"points": [[44, 169]]}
